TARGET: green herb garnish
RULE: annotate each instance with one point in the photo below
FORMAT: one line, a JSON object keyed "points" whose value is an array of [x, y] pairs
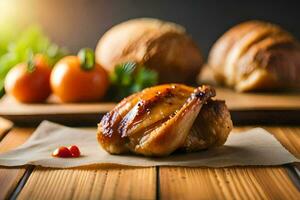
{"points": [[30, 63], [129, 78]]}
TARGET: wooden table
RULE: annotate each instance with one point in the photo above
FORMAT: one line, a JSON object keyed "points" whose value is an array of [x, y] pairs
{"points": [[152, 182]]}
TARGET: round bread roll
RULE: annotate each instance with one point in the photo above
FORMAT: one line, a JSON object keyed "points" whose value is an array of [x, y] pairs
{"points": [[256, 55], [162, 46]]}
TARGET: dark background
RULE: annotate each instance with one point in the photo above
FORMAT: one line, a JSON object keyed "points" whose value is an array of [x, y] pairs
{"points": [[80, 23]]}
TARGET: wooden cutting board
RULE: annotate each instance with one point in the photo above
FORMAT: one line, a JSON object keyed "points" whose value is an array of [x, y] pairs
{"points": [[74, 114], [246, 108], [262, 108]]}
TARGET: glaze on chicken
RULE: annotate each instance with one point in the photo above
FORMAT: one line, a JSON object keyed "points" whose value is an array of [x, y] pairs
{"points": [[161, 119]]}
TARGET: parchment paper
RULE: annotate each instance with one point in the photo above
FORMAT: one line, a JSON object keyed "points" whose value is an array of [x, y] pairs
{"points": [[253, 147]]}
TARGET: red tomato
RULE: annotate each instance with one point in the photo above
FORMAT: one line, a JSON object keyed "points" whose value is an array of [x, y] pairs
{"points": [[29, 85], [62, 152], [74, 150], [73, 79]]}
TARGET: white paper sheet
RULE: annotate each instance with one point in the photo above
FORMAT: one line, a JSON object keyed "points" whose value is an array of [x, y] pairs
{"points": [[252, 147]]}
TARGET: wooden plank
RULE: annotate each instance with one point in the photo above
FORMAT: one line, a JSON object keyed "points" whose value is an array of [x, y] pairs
{"points": [[15, 138], [258, 101], [89, 183], [235, 182], [9, 177], [289, 137], [5, 126], [72, 114], [226, 183], [12, 107]]}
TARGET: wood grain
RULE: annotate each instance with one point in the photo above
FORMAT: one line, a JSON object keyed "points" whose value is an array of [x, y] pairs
{"points": [[72, 114], [235, 182], [258, 101], [5, 126], [226, 183], [9, 177], [110, 183], [10, 106], [289, 137], [15, 138]]}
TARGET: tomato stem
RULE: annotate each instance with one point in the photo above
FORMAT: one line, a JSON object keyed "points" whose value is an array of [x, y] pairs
{"points": [[30, 63], [87, 58]]}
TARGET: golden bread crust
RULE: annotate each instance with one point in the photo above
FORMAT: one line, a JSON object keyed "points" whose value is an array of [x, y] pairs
{"points": [[246, 57], [159, 45]]}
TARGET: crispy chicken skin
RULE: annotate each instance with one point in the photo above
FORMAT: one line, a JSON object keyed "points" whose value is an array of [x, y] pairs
{"points": [[161, 119]]}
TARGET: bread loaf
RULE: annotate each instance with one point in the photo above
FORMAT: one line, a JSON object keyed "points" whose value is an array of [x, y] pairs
{"points": [[256, 55]]}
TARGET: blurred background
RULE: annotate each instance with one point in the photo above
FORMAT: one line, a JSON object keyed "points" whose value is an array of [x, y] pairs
{"points": [[79, 23]]}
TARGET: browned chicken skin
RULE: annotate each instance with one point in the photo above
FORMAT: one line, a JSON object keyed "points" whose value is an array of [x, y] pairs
{"points": [[161, 119]]}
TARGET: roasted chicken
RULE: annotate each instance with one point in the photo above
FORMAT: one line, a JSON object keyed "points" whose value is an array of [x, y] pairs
{"points": [[161, 119]]}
